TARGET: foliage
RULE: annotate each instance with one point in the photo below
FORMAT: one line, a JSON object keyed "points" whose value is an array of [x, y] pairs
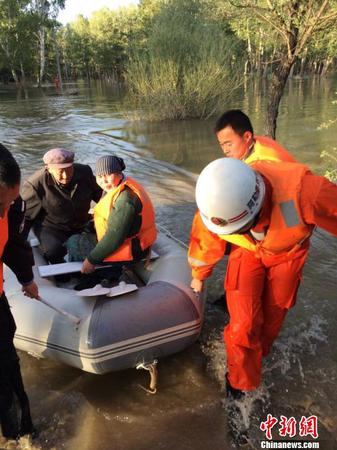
{"points": [[179, 58], [330, 156], [294, 24], [330, 161], [190, 68]]}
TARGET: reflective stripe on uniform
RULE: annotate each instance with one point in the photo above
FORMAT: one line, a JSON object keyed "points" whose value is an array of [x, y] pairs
{"points": [[289, 213], [197, 262]]}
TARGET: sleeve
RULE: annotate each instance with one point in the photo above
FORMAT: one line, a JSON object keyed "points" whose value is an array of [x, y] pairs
{"points": [[120, 222], [18, 255], [205, 249], [319, 202], [33, 203]]}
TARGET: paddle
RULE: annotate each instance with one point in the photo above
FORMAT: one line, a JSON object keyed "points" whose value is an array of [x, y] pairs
{"points": [[74, 319]]}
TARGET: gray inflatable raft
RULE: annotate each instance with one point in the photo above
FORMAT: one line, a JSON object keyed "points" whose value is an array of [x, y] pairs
{"points": [[162, 317]]}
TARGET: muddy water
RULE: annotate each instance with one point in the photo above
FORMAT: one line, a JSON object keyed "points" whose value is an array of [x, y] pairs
{"points": [[73, 409]]}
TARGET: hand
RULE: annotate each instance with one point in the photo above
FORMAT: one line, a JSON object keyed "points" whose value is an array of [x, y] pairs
{"points": [[197, 285], [31, 290], [87, 267]]}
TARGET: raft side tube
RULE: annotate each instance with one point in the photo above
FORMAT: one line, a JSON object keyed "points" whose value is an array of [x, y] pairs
{"points": [[157, 320]]}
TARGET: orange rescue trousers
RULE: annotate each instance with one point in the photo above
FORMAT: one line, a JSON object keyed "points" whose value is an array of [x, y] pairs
{"points": [[259, 293]]}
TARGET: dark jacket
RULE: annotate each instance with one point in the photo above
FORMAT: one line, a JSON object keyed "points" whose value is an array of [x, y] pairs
{"points": [[17, 254], [65, 208]]}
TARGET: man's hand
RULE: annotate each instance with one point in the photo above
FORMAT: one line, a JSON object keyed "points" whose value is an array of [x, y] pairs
{"points": [[197, 285], [87, 267], [31, 290]]}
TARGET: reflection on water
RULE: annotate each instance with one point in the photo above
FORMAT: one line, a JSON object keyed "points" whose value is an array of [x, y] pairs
{"points": [[79, 410], [191, 144]]}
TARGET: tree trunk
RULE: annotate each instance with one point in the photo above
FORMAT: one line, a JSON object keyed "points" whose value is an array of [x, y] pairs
{"points": [[57, 57], [303, 61], [42, 36], [246, 71], [65, 68], [278, 83], [23, 75], [16, 79], [326, 64], [249, 63], [291, 73]]}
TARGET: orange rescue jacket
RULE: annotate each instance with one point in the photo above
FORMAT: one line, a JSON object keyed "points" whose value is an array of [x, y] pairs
{"points": [[286, 231], [266, 148], [147, 233], [3, 240], [206, 249]]}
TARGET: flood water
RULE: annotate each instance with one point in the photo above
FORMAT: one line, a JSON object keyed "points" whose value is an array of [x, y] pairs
{"points": [[77, 410]]}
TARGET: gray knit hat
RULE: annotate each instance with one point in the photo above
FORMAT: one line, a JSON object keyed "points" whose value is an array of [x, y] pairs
{"points": [[109, 164]]}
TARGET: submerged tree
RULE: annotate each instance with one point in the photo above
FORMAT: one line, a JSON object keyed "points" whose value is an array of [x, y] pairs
{"points": [[189, 67], [295, 22], [14, 32], [45, 12]]}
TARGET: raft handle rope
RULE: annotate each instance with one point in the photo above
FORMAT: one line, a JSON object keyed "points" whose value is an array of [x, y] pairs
{"points": [[170, 235], [152, 368]]}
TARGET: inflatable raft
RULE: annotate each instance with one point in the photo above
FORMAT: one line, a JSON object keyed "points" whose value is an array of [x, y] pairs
{"points": [[162, 317]]}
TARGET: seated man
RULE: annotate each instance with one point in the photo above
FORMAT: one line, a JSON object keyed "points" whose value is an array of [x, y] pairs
{"points": [[124, 221], [58, 200]]}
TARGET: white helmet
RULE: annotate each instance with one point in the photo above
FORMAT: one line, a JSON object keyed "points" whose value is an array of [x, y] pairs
{"points": [[229, 194]]}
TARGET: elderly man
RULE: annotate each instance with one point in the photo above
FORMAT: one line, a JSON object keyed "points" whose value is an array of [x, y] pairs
{"points": [[58, 199]]}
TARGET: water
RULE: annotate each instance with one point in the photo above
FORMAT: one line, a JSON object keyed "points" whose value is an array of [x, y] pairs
{"points": [[74, 409]]}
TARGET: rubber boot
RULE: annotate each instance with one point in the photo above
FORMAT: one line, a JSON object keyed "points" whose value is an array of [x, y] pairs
{"points": [[9, 422], [26, 424], [237, 428]]}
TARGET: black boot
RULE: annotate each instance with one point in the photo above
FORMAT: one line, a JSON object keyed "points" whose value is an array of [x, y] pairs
{"points": [[232, 393], [237, 428], [87, 281], [26, 425], [9, 423]]}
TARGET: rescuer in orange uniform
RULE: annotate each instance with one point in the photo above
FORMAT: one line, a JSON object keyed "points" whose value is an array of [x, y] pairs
{"points": [[15, 252], [269, 213], [236, 138]]}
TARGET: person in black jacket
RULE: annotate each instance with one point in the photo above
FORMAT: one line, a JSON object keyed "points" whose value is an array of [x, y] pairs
{"points": [[58, 199], [16, 253]]}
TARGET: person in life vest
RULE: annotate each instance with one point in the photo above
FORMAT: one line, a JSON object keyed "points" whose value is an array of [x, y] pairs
{"points": [[236, 138], [16, 253], [268, 211], [124, 219], [234, 132]]}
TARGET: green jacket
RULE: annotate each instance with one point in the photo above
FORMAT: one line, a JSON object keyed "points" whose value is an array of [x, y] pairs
{"points": [[124, 221]]}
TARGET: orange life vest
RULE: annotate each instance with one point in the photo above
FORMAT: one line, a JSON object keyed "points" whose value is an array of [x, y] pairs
{"points": [[147, 233], [266, 148], [286, 231], [3, 240]]}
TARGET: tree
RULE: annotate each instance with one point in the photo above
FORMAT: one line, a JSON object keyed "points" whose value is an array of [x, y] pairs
{"points": [[187, 68], [14, 30], [295, 22], [46, 12]]}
